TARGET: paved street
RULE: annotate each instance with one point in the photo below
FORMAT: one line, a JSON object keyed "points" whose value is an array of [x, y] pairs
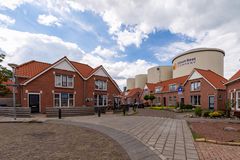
{"points": [[169, 138]]}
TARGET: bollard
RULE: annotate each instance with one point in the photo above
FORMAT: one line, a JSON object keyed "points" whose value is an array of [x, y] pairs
{"points": [[99, 112], [124, 110], [59, 113]]}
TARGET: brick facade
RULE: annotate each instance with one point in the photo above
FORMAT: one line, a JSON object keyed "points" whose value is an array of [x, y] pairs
{"points": [[233, 88], [83, 88]]}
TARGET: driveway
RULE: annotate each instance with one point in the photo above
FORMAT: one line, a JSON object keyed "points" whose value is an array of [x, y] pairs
{"points": [[168, 138]]}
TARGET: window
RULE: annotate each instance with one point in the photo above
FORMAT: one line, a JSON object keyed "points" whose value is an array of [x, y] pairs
{"points": [[232, 96], [63, 100], [63, 81], [100, 85], [174, 100], [195, 86], [238, 100], [170, 101], [196, 100], [58, 80], [100, 100], [57, 100], [172, 87], [158, 89]]}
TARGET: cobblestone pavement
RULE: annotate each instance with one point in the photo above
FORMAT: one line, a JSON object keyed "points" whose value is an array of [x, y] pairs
{"points": [[210, 151], [169, 138]]}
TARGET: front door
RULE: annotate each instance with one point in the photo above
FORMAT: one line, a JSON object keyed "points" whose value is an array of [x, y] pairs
{"points": [[164, 101], [34, 103], [211, 102]]}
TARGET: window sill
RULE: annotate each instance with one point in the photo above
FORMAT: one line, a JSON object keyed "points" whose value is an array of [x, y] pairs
{"points": [[195, 91], [64, 87], [101, 90]]}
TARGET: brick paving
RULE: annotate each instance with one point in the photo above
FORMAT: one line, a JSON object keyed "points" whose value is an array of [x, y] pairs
{"points": [[168, 138], [210, 151]]}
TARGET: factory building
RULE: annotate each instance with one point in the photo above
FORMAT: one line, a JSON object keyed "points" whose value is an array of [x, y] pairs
{"points": [[202, 58]]}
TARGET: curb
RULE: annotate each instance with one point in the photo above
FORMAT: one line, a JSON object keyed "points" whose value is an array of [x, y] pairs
{"points": [[217, 142]]}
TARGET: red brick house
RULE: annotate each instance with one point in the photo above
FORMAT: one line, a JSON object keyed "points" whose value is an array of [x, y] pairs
{"points": [[64, 83], [166, 92], [233, 92], [132, 96], [205, 88]]}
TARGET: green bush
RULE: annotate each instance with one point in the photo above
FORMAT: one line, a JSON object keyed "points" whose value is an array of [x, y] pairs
{"points": [[216, 114], [198, 111], [188, 106], [206, 113]]}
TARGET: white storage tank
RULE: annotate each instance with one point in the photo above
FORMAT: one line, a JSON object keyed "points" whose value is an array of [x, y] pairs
{"points": [[159, 73], [202, 58], [140, 80], [130, 83]]}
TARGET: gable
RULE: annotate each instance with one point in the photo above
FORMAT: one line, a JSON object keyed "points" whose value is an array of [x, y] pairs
{"points": [[100, 72], [64, 65], [195, 75]]}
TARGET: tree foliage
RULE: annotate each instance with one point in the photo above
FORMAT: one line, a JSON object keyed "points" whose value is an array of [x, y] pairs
{"points": [[151, 97], [146, 97], [5, 74]]}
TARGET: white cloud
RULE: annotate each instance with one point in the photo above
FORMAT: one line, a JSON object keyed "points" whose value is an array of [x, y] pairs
{"points": [[106, 53], [23, 46], [12, 4], [48, 20], [6, 20]]}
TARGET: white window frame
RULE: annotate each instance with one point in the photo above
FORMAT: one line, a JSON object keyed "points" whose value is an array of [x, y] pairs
{"points": [[60, 100], [98, 83], [158, 89], [198, 102], [195, 88], [232, 100], [105, 97], [171, 86], [237, 98], [61, 81]]}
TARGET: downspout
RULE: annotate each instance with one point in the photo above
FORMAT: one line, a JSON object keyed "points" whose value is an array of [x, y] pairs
{"points": [[84, 92]]}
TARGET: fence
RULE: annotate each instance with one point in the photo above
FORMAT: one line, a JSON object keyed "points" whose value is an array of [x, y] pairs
{"points": [[20, 111], [69, 111]]}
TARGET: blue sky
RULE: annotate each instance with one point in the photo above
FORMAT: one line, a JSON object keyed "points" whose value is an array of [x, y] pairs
{"points": [[126, 38]]}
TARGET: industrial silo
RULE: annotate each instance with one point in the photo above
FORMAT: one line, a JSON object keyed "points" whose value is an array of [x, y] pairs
{"points": [[130, 83], [140, 80], [159, 73], [202, 58]]}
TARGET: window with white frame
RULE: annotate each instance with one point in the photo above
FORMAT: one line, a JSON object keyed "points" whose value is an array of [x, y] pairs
{"points": [[232, 96], [172, 87], [195, 86], [170, 101], [100, 100], [63, 99], [196, 100], [101, 85], [238, 100], [158, 89], [63, 81]]}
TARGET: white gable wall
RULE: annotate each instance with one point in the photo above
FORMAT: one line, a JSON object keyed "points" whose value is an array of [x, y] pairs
{"points": [[64, 65], [195, 75], [100, 72]]}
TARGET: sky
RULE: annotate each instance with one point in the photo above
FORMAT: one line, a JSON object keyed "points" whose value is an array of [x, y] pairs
{"points": [[127, 37]]}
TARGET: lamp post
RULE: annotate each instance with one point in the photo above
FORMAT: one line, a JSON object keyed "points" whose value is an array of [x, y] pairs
{"points": [[14, 66]]}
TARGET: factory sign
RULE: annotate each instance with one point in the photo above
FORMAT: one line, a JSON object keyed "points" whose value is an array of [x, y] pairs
{"points": [[184, 62]]}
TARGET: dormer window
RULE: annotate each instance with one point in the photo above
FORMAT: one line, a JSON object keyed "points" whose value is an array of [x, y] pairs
{"points": [[172, 87], [158, 89]]}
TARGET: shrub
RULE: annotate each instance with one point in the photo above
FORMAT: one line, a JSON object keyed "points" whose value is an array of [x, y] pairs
{"points": [[215, 114], [198, 111], [206, 113], [188, 106]]}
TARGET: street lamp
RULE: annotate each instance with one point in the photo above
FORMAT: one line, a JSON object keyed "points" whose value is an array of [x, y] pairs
{"points": [[14, 66]]}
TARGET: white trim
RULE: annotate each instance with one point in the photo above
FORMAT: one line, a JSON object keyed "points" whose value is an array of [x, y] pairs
{"points": [[35, 93], [237, 105], [108, 77], [232, 100]]}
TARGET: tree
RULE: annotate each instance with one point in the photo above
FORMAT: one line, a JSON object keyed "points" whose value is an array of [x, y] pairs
{"points": [[5, 74], [146, 97], [151, 98]]}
